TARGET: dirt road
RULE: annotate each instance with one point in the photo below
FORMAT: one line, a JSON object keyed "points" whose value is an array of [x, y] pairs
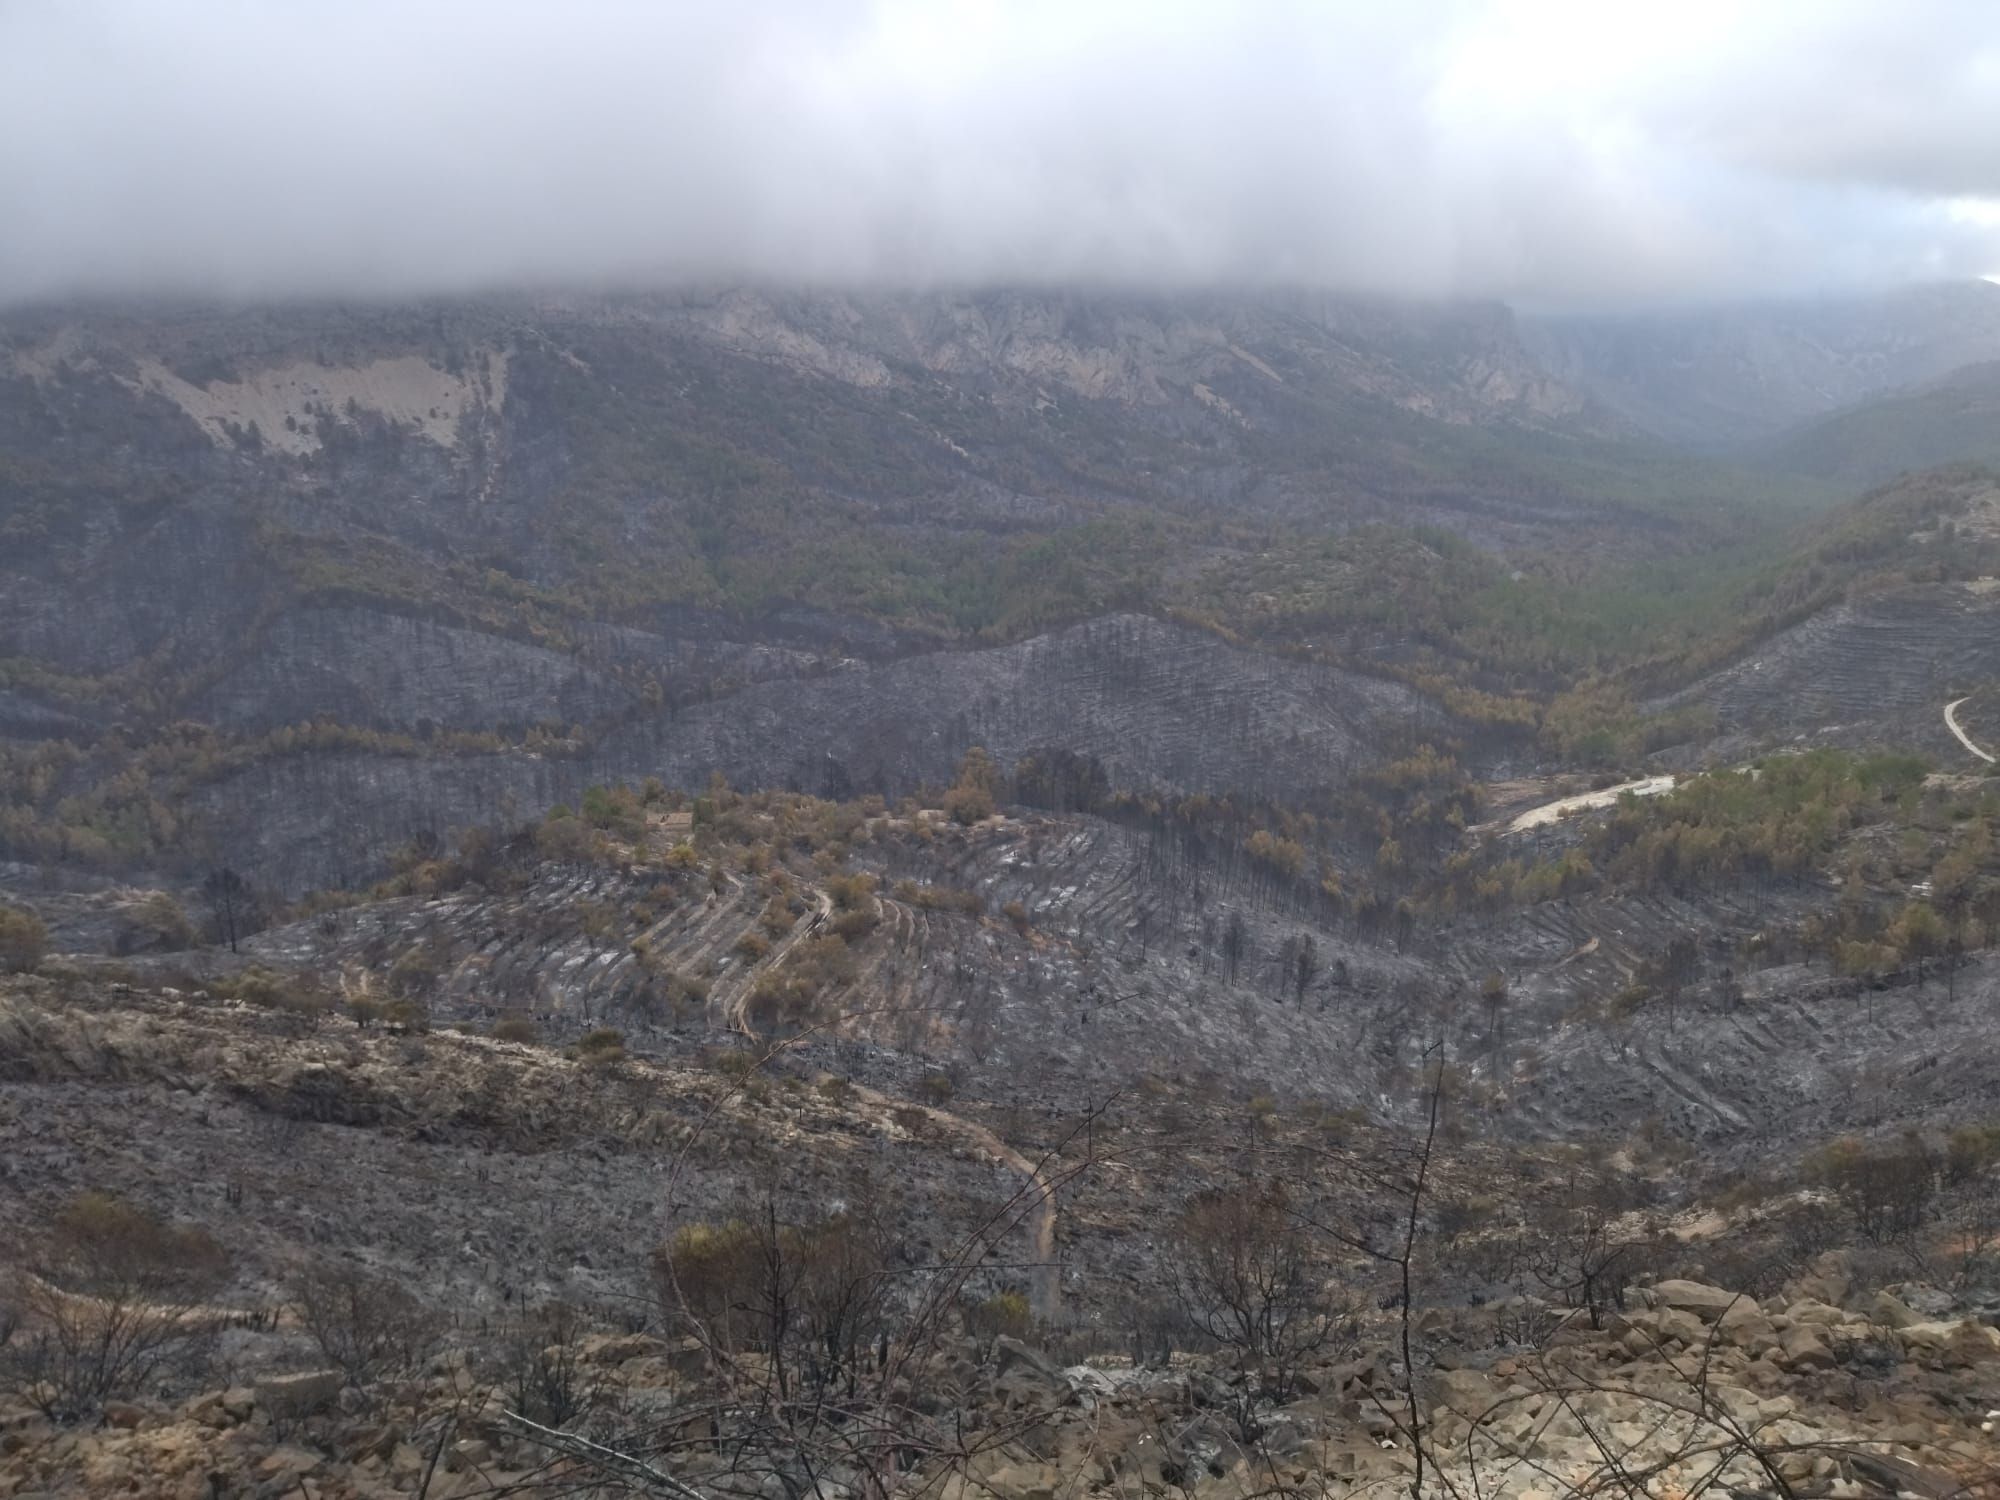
{"points": [[737, 1007], [1551, 812], [1045, 1284], [1951, 723]]}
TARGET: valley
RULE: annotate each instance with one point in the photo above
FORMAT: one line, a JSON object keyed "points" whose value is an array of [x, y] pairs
{"points": [[779, 876]]}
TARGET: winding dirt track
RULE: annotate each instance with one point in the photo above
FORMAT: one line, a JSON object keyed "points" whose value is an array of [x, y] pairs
{"points": [[1045, 1276], [1045, 1288], [1951, 723], [737, 1007]]}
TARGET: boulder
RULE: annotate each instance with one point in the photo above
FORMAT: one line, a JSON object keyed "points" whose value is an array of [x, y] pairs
{"points": [[299, 1395], [207, 1411], [1209, 1390], [617, 1348], [1973, 1343], [1643, 1334], [126, 1415], [1096, 1451], [1950, 1345], [1467, 1392], [1744, 1325], [1928, 1302], [1091, 1383], [288, 1461], [406, 1464], [1011, 1354], [376, 1441], [1707, 1303], [1148, 1463], [1360, 1374], [1899, 1476], [1023, 1377], [1817, 1313], [1447, 1429], [1024, 1482], [1802, 1349], [1829, 1280], [1376, 1422], [1890, 1312], [1765, 1375]]}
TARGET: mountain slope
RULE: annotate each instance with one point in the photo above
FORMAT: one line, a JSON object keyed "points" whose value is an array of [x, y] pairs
{"points": [[1713, 378], [1952, 420], [1882, 612], [490, 552]]}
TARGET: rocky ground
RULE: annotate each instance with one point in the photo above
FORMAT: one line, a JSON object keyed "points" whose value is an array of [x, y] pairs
{"points": [[1696, 1388], [488, 1180]]}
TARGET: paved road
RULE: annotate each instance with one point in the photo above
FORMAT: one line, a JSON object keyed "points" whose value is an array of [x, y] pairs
{"points": [[1951, 723]]}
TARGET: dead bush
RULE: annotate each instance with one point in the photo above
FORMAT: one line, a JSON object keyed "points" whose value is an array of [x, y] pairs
{"points": [[109, 1296], [416, 972], [1888, 1191], [516, 1027], [601, 1047], [708, 1275], [851, 892], [24, 940], [811, 1297], [366, 1327], [1246, 1274], [157, 924], [936, 1088], [855, 924], [292, 996], [544, 1374], [411, 1017]]}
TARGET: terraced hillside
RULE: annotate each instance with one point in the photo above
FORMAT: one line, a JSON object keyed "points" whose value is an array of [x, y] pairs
{"points": [[1870, 670], [1052, 959]]}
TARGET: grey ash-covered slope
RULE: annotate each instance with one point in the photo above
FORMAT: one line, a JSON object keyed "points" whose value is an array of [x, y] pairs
{"points": [[1874, 669], [173, 486], [1883, 612], [787, 537], [810, 539], [1161, 705], [1115, 968], [369, 667]]}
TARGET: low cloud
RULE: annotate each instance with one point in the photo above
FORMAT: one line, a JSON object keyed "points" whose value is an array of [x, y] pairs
{"points": [[1558, 154]]}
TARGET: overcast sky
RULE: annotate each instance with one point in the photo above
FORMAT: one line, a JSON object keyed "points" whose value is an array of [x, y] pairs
{"points": [[1566, 152]]}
